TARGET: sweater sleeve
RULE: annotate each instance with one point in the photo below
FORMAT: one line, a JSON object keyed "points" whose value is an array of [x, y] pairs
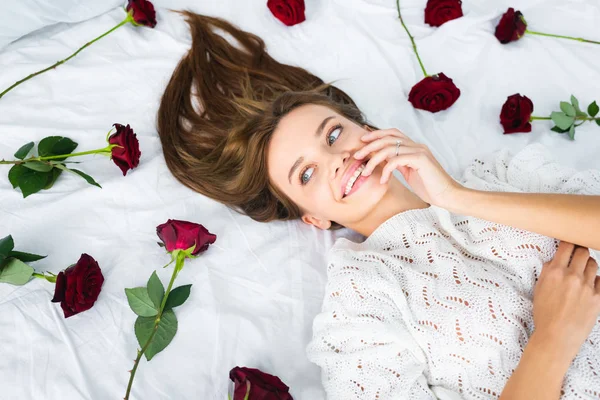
{"points": [[531, 170], [361, 342]]}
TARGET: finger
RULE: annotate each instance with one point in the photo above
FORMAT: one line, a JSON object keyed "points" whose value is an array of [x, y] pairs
{"points": [[376, 145], [385, 132], [597, 284], [413, 160], [579, 260], [384, 154], [563, 255], [591, 269]]}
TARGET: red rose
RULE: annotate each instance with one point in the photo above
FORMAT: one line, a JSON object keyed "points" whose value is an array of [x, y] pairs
{"points": [[142, 12], [511, 27], [78, 286], [262, 386], [439, 12], [181, 235], [127, 156], [516, 114], [290, 12], [434, 93]]}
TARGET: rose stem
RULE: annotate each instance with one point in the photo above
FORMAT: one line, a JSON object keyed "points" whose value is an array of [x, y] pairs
{"points": [[42, 276], [178, 266], [561, 37], [576, 118], [105, 150], [126, 20], [411, 39]]}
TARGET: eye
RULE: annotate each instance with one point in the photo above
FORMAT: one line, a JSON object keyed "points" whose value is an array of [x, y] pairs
{"points": [[336, 128], [332, 136], [305, 176]]}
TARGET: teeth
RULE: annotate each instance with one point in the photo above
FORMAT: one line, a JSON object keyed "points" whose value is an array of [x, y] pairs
{"points": [[353, 179]]}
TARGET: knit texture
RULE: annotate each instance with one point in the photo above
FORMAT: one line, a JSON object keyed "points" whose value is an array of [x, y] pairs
{"points": [[438, 305]]}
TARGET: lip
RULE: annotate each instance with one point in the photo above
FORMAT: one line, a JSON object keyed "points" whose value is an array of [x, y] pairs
{"points": [[349, 172]]}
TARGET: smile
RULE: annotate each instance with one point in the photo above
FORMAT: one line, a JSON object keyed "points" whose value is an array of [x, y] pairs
{"points": [[355, 180]]}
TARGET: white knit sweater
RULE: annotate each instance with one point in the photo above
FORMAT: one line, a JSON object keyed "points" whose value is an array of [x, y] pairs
{"points": [[436, 305]]}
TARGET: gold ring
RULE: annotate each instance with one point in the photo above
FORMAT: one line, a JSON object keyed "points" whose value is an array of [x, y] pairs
{"points": [[398, 142]]}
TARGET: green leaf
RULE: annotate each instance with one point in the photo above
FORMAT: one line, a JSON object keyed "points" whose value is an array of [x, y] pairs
{"points": [[557, 129], [575, 103], [140, 302], [24, 150], [55, 146], [88, 178], [561, 120], [581, 114], [15, 272], [572, 132], [6, 246], [178, 296], [567, 108], [593, 109], [25, 257], [38, 166], [52, 177], [167, 328], [32, 182], [85, 176], [156, 290], [598, 122], [14, 173]]}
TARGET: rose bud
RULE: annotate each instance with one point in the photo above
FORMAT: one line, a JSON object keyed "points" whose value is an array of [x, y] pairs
{"points": [[142, 12], [78, 286], [262, 386], [438, 12], [127, 156], [511, 27], [290, 12], [434, 93], [181, 235], [516, 114]]}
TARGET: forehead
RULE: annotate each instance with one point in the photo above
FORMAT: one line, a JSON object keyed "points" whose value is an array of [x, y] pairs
{"points": [[295, 137]]}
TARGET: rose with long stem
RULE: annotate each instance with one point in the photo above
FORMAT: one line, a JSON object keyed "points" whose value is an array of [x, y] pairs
{"points": [[435, 92], [516, 115], [152, 304], [139, 12], [513, 26]]}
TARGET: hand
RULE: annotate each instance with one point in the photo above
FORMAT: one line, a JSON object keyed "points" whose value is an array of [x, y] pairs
{"points": [[566, 299], [415, 162]]}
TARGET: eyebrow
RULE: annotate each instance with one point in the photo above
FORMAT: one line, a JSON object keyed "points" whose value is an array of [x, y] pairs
{"points": [[300, 160]]}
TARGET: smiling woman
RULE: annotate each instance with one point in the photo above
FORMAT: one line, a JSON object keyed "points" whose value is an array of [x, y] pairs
{"points": [[438, 301]]}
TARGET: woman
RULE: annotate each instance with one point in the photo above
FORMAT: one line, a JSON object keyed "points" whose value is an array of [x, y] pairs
{"points": [[435, 302]]}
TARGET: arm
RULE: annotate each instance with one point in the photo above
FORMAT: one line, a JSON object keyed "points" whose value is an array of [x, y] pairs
{"points": [[566, 303], [540, 372], [572, 218]]}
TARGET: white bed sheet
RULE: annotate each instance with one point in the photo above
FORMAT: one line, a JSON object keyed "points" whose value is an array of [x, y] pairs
{"points": [[258, 288]]}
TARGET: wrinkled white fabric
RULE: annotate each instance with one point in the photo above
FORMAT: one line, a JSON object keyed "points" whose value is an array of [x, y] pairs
{"points": [[438, 305]]}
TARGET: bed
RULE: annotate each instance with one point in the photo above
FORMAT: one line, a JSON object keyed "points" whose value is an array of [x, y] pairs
{"points": [[257, 290]]}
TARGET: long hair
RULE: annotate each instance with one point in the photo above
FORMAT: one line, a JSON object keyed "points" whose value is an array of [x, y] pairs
{"points": [[220, 109]]}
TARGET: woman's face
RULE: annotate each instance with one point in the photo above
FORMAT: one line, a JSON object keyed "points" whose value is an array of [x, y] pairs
{"points": [[310, 159]]}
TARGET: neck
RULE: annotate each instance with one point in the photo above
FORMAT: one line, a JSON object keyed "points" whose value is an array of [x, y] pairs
{"points": [[396, 200]]}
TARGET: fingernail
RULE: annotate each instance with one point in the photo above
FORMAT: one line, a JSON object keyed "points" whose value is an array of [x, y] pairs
{"points": [[358, 155]]}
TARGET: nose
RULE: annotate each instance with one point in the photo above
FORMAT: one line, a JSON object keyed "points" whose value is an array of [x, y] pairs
{"points": [[339, 161]]}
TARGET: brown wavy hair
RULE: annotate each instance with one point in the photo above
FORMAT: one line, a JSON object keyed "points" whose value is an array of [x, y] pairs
{"points": [[220, 109]]}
